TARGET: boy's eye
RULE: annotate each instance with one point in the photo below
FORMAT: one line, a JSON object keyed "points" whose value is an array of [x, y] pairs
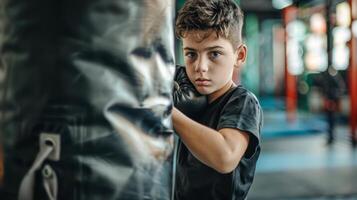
{"points": [[215, 54], [190, 55]]}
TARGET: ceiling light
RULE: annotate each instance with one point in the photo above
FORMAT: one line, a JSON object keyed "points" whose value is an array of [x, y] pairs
{"points": [[280, 4]]}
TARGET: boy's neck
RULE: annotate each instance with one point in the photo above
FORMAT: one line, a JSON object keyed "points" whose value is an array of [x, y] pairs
{"points": [[215, 95]]}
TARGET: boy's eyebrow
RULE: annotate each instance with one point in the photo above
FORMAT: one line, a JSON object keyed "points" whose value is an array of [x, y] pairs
{"points": [[214, 47], [190, 49], [208, 48]]}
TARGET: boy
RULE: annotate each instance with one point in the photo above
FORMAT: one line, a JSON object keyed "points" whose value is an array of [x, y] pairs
{"points": [[219, 145]]}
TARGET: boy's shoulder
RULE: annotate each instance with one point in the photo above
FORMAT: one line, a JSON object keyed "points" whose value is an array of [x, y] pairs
{"points": [[242, 111], [240, 92]]}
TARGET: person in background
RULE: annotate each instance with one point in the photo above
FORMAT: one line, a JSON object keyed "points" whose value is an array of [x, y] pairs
{"points": [[332, 88]]}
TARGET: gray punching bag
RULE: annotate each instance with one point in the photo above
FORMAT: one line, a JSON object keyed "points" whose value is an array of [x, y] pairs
{"points": [[85, 103]]}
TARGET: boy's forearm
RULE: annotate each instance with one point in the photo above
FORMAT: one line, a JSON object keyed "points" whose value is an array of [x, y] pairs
{"points": [[206, 144]]}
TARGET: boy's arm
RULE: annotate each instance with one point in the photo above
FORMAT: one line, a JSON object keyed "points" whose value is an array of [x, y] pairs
{"points": [[221, 150]]}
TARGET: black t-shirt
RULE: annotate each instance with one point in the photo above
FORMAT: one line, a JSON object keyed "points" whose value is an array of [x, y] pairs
{"points": [[237, 108]]}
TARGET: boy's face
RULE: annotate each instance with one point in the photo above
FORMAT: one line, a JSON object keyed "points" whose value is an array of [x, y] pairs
{"points": [[210, 62]]}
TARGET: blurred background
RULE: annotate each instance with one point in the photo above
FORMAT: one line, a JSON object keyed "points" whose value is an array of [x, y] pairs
{"points": [[302, 65]]}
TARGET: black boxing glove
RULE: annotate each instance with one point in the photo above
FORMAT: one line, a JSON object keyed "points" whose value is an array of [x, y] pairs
{"points": [[185, 96]]}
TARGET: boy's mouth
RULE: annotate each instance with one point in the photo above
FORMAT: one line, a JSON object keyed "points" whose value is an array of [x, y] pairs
{"points": [[202, 82]]}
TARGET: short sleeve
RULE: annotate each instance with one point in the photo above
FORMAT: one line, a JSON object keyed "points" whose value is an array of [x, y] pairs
{"points": [[243, 112]]}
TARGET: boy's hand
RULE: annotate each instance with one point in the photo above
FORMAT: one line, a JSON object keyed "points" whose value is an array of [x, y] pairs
{"points": [[186, 98]]}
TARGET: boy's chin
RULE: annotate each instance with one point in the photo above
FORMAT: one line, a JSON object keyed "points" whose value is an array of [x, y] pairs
{"points": [[203, 91]]}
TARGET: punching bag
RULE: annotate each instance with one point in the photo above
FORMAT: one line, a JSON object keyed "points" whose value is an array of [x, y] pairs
{"points": [[85, 99]]}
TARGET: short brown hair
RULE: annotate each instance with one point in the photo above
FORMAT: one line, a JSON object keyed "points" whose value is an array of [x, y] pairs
{"points": [[222, 16]]}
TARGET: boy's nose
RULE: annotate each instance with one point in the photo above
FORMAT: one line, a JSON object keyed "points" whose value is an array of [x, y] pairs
{"points": [[201, 65]]}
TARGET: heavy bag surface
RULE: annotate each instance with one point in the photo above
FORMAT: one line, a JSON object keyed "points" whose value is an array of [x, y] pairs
{"points": [[86, 99]]}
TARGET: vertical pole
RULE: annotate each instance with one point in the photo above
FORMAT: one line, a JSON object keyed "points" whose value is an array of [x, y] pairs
{"points": [[329, 33], [353, 77], [289, 14]]}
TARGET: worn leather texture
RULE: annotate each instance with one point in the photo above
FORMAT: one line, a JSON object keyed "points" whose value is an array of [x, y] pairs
{"points": [[100, 74]]}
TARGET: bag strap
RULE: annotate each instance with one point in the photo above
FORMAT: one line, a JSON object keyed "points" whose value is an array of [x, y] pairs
{"points": [[49, 149]]}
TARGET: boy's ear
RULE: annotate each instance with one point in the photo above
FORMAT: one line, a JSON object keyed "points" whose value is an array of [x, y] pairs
{"points": [[241, 52]]}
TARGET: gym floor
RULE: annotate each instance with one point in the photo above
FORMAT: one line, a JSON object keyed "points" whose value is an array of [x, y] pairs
{"points": [[301, 166]]}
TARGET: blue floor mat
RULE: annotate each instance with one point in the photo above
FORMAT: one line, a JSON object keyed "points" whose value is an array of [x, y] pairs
{"points": [[277, 125]]}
